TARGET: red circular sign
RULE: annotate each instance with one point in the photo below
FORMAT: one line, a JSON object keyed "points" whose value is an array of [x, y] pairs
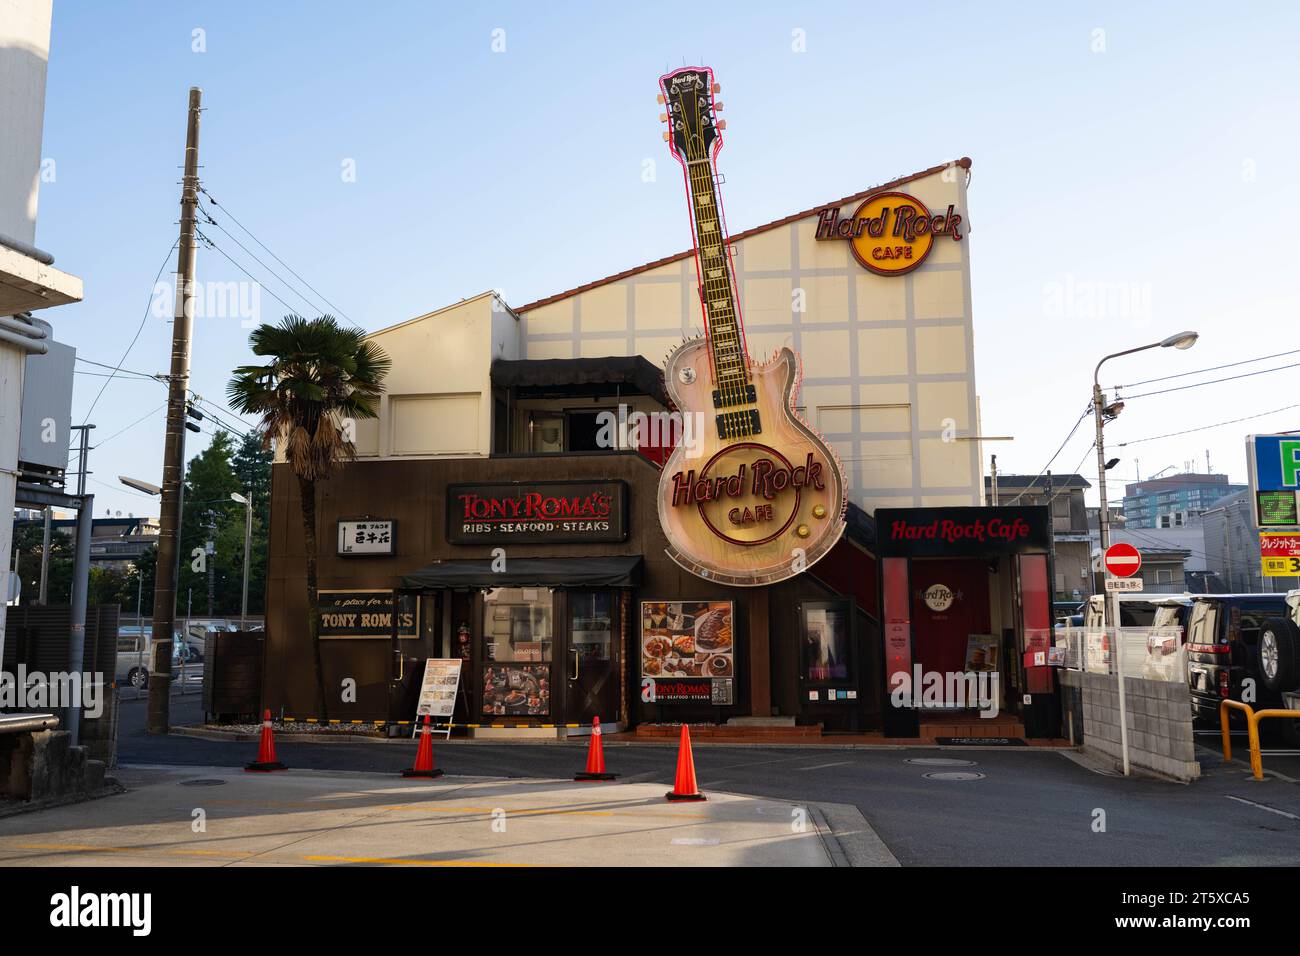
{"points": [[1123, 560]]}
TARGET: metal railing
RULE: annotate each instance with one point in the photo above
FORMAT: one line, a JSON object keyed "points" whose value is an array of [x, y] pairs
{"points": [[1253, 717], [1153, 653]]}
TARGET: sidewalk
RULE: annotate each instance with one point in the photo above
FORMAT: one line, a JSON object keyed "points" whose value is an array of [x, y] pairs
{"points": [[316, 818]]}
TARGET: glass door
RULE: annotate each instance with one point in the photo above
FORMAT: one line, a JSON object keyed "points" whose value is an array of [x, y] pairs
{"points": [[517, 640], [592, 657]]}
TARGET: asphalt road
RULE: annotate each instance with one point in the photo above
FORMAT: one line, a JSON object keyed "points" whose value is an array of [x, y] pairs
{"points": [[1030, 806]]}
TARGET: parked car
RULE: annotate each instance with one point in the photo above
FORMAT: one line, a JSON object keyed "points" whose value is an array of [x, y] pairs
{"points": [[133, 666], [1227, 651], [1167, 638]]}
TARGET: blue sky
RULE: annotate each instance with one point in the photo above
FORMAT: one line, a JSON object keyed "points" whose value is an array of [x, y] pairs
{"points": [[1143, 151]]}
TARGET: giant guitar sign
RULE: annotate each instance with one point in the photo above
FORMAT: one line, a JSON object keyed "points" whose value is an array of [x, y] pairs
{"points": [[760, 496]]}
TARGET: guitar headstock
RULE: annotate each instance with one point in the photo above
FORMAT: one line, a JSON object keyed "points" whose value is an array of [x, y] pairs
{"points": [[693, 126]]}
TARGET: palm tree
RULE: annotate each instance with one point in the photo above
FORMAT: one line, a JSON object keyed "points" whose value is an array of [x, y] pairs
{"points": [[321, 378]]}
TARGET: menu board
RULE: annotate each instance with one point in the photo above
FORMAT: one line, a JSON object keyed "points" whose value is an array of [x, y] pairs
{"points": [[688, 647], [517, 690], [438, 688]]}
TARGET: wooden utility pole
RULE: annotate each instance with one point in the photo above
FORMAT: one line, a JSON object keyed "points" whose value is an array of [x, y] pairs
{"points": [[164, 594]]}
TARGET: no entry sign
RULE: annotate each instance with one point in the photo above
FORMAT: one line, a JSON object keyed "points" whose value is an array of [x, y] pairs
{"points": [[1123, 560]]}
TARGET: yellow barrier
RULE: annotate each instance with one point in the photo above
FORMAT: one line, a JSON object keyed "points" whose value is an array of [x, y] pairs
{"points": [[1252, 729]]}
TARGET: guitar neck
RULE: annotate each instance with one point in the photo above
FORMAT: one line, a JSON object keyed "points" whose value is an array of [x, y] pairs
{"points": [[721, 317]]}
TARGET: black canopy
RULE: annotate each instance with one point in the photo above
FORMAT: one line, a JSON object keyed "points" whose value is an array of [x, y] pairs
{"points": [[613, 571], [627, 371]]}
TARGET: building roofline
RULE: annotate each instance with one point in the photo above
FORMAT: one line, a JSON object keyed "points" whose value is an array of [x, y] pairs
{"points": [[964, 163], [445, 308]]}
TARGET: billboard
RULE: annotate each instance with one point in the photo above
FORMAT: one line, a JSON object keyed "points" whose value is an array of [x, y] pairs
{"points": [[1273, 462]]}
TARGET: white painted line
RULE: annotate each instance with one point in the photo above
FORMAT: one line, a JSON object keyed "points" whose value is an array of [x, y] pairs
{"points": [[823, 766], [692, 841], [1252, 803]]}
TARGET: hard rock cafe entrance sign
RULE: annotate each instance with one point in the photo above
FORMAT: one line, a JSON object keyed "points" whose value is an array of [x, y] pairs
{"points": [[890, 233]]}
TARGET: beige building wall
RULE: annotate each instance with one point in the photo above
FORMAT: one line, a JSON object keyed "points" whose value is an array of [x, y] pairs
{"points": [[888, 361], [438, 398]]}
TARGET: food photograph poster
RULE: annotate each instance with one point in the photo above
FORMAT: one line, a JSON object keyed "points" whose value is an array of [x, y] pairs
{"points": [[687, 639]]}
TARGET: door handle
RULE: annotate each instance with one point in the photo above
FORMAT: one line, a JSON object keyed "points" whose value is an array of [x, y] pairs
{"points": [[575, 664]]}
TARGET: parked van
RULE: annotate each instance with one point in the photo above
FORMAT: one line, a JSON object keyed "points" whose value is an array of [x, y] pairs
{"points": [[1227, 650]]}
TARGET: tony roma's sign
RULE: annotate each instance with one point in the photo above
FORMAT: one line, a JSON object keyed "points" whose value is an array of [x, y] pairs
{"points": [[942, 532], [890, 233], [537, 512], [367, 614]]}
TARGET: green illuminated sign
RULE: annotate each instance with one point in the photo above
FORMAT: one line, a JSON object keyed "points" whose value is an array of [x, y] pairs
{"points": [[1277, 509]]}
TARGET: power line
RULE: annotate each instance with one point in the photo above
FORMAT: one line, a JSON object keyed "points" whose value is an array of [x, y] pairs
{"points": [[1201, 428], [1030, 486], [226, 210], [122, 371], [312, 306], [212, 245], [1214, 368], [1213, 381], [136, 337], [142, 418]]}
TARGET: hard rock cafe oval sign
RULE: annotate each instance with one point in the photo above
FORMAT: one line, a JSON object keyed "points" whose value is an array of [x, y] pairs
{"points": [[890, 233], [938, 597]]}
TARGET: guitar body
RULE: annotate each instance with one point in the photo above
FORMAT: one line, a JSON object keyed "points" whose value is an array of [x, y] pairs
{"points": [[781, 507]]}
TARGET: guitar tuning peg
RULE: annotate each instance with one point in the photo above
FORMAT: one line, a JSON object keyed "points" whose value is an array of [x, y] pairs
{"points": [[717, 87], [660, 99], [663, 117], [665, 137], [722, 124]]}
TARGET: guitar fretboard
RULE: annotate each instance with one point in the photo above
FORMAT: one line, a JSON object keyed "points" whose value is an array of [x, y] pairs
{"points": [[722, 323]]}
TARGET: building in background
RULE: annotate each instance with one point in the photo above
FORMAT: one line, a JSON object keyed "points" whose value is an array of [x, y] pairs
{"points": [[115, 543], [1071, 544], [1232, 548], [1171, 501]]}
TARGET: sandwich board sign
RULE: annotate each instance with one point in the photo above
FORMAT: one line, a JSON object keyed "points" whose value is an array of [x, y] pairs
{"points": [[438, 691], [1273, 464]]}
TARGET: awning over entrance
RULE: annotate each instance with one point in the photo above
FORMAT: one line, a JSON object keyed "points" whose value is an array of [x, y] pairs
{"points": [[615, 371], [614, 571]]}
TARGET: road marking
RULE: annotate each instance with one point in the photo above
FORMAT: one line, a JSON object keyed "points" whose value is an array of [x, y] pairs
{"points": [[1261, 806], [823, 766], [693, 841]]}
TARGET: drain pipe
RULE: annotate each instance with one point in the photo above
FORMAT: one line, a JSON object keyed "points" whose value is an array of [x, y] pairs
{"points": [[29, 338], [30, 251]]}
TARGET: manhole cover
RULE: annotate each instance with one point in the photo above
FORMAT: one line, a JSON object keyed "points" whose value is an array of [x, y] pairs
{"points": [[954, 775], [202, 782], [939, 762]]}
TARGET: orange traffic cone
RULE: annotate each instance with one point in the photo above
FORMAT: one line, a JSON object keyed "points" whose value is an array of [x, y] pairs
{"points": [[424, 756], [595, 757], [685, 788], [265, 761]]}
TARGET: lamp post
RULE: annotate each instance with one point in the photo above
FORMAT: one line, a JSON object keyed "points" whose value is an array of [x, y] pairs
{"points": [[1103, 413], [247, 502]]}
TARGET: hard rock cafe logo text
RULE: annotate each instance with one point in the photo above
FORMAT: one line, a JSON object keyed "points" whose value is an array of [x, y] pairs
{"points": [[946, 530], [890, 233], [763, 478]]}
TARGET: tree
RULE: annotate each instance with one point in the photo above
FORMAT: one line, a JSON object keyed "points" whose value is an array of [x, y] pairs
{"points": [[207, 510], [320, 378]]}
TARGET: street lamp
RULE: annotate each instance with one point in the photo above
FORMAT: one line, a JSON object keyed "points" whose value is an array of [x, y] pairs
{"points": [[1103, 413], [247, 502], [139, 485]]}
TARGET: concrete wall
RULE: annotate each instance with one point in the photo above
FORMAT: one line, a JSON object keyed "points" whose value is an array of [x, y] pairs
{"points": [[24, 54], [1159, 722]]}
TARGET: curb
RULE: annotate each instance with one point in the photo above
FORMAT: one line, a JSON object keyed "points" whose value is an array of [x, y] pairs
{"points": [[111, 788], [848, 837], [206, 733]]}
